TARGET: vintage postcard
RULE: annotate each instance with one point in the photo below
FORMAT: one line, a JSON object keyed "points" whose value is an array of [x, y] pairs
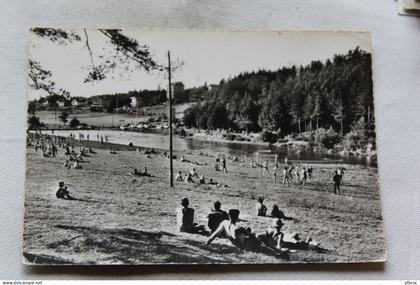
{"points": [[201, 147]]}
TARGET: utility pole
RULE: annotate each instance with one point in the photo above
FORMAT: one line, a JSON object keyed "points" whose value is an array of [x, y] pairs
{"points": [[171, 181]]}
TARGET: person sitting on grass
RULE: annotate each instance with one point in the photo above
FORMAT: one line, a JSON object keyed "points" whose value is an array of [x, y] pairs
{"points": [[202, 180], [271, 238], [112, 151], [276, 212], [212, 182], [79, 158], [217, 164], [92, 151], [185, 219], [183, 159], [216, 216], [279, 214], [193, 173], [241, 237], [143, 173], [62, 192], [261, 208], [179, 177], [188, 178], [67, 164], [45, 153], [76, 165]]}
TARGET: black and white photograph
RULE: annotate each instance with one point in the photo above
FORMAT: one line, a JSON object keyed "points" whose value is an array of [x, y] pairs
{"points": [[200, 146]]}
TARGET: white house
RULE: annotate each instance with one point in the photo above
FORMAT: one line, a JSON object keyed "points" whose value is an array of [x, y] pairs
{"points": [[77, 102], [60, 103], [133, 101]]}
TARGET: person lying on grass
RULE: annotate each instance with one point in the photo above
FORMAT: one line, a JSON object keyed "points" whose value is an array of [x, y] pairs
{"points": [[275, 238], [62, 192], [272, 236], [183, 159], [143, 173], [242, 237], [185, 219]]}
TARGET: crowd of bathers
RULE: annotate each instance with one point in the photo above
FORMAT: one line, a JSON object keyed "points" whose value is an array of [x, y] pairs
{"points": [[221, 224], [225, 224]]}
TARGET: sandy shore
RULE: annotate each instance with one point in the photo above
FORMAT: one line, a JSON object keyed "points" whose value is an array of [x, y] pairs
{"points": [[132, 220]]}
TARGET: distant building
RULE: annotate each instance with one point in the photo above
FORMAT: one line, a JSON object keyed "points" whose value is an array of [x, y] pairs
{"points": [[78, 102], [101, 103], [134, 102], [61, 103]]}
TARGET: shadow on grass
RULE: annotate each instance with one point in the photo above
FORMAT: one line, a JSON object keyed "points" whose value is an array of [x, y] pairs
{"points": [[130, 246]]}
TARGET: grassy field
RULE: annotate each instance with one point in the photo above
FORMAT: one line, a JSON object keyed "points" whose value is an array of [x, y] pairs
{"points": [[122, 220]]}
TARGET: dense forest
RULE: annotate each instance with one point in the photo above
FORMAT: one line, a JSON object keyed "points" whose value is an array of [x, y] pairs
{"points": [[336, 94]]}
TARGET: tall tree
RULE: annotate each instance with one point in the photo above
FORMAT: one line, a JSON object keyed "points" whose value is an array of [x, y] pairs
{"points": [[127, 53]]}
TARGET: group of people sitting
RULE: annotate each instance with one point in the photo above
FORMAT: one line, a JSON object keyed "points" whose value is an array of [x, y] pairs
{"points": [[223, 224], [76, 158], [188, 178], [144, 172]]}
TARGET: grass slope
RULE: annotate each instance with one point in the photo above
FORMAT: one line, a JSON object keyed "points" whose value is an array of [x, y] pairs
{"points": [[126, 220]]}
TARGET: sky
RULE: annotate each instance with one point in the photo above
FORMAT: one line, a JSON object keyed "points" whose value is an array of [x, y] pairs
{"points": [[203, 56]]}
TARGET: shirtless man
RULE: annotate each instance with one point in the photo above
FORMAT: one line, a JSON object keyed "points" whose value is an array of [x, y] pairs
{"points": [[237, 235], [193, 173]]}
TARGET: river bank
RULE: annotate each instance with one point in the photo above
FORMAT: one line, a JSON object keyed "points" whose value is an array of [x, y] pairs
{"points": [[215, 144]]}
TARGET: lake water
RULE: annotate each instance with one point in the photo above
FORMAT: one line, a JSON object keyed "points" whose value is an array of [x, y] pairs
{"points": [[153, 140]]}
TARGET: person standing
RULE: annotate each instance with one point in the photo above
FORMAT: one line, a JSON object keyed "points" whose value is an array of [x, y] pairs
{"points": [[265, 168], [304, 176], [286, 176], [224, 169], [337, 182], [275, 169], [310, 170]]}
